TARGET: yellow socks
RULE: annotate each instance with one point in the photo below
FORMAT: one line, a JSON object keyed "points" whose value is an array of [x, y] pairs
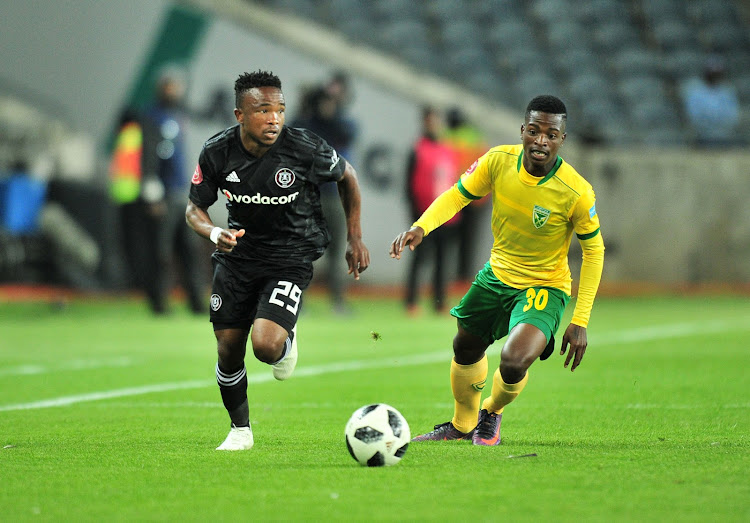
{"points": [[503, 393], [467, 382]]}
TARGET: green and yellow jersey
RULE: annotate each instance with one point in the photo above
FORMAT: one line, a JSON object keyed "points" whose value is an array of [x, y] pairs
{"points": [[533, 220]]}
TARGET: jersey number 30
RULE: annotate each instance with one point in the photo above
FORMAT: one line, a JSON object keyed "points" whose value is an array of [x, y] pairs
{"points": [[537, 299], [291, 291]]}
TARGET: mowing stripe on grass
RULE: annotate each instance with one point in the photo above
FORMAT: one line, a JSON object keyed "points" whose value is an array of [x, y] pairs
{"points": [[639, 335]]}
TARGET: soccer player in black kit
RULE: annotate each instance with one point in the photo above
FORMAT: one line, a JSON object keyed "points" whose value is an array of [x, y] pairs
{"points": [[269, 174]]}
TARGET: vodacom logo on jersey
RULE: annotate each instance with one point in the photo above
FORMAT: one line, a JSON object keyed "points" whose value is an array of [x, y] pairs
{"points": [[259, 199]]}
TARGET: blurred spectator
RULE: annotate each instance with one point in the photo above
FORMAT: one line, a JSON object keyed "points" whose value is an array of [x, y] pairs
{"points": [[431, 170], [150, 182], [469, 144], [219, 108], [125, 171], [712, 106], [323, 110]]}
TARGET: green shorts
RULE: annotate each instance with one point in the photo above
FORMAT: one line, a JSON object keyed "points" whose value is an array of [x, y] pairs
{"points": [[490, 309]]}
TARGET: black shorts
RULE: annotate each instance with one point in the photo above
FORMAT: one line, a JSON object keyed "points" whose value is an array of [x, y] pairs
{"points": [[244, 290]]}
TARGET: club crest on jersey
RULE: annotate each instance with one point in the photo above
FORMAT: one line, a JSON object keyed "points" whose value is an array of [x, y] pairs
{"points": [[285, 177], [215, 302], [539, 216], [197, 175]]}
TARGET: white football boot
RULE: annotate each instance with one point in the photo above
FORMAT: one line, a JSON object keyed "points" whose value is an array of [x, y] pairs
{"points": [[239, 438], [284, 368]]}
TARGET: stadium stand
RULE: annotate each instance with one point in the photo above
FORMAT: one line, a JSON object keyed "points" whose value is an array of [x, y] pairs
{"points": [[629, 58]]}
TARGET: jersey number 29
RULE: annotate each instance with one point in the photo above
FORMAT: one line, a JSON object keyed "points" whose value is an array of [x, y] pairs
{"points": [[291, 291]]}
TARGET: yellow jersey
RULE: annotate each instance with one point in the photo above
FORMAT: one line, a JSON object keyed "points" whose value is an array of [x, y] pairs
{"points": [[533, 220]]}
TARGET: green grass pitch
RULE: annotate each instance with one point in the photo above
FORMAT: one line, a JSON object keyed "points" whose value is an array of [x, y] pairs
{"points": [[109, 414]]}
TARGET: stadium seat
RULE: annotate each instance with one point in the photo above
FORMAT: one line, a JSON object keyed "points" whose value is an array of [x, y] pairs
{"points": [[725, 37], [637, 88], [632, 61], [509, 34], [708, 11], [553, 11], [683, 63], [566, 35], [393, 35], [535, 83], [655, 12], [613, 35], [457, 33], [445, 10], [672, 35], [590, 86], [594, 11], [487, 84], [653, 112]]}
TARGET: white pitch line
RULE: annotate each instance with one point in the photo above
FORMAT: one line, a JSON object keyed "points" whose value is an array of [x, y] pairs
{"points": [[630, 336], [316, 370], [72, 365]]}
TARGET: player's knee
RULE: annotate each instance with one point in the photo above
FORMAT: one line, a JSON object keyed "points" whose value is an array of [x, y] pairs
{"points": [[513, 365], [267, 351], [467, 350], [230, 356]]}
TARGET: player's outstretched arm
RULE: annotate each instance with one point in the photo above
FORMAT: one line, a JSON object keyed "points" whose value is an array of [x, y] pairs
{"points": [[412, 238], [357, 255], [575, 336], [199, 220]]}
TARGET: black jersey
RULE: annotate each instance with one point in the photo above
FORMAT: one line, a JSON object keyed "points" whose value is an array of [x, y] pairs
{"points": [[275, 198]]}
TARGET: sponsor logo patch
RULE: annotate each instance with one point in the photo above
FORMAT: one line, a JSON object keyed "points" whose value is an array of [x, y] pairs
{"points": [[592, 211], [232, 177], [197, 175], [473, 167], [334, 160], [215, 302], [285, 178], [539, 216], [259, 199]]}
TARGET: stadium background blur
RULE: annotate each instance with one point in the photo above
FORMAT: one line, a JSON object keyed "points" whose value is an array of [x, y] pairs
{"points": [[673, 215]]}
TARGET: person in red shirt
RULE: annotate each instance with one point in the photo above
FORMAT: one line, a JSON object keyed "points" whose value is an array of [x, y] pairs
{"points": [[431, 170]]}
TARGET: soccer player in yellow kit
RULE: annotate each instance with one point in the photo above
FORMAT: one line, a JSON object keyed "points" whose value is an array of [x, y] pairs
{"points": [[538, 202]]}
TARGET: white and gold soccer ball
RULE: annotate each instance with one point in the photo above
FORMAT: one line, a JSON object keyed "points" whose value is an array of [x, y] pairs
{"points": [[377, 435]]}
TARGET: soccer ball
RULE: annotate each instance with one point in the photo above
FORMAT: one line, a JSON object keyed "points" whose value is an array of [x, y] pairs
{"points": [[377, 435]]}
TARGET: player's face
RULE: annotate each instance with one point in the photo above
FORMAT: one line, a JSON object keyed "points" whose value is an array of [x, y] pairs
{"points": [[261, 117], [542, 135]]}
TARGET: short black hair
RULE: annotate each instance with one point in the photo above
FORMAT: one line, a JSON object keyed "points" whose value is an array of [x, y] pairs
{"points": [[547, 104], [247, 81]]}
